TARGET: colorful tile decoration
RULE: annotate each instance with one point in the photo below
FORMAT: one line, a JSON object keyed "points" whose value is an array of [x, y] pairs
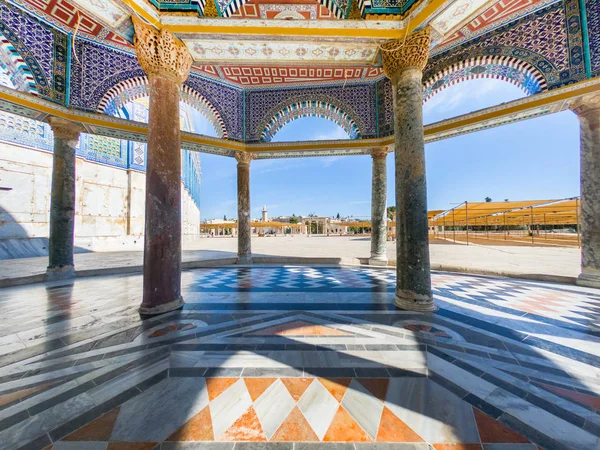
{"points": [[300, 355]]}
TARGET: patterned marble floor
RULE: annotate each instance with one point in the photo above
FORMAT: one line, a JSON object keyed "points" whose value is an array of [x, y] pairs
{"points": [[300, 358]]}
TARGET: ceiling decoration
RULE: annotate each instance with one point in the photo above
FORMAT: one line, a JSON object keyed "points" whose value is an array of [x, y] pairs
{"points": [[487, 18], [75, 52], [228, 51], [280, 9], [593, 21], [543, 40], [273, 76]]}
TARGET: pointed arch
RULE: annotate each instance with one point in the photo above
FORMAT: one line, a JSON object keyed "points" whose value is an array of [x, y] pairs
{"points": [[16, 67], [134, 88], [309, 108], [500, 67]]}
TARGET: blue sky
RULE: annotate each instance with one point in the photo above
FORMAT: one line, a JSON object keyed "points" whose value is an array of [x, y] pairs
{"points": [[530, 160]]}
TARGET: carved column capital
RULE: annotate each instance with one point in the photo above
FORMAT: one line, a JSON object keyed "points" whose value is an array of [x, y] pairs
{"points": [[587, 107], [379, 152], [410, 52], [160, 52], [244, 157], [65, 129]]}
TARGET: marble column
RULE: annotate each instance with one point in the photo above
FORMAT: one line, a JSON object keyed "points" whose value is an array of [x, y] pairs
{"points": [[587, 109], [167, 63], [403, 62], [62, 199], [244, 218], [378, 208]]}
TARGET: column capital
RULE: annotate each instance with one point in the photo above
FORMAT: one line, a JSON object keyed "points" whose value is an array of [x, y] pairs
{"points": [[65, 129], [410, 52], [160, 52], [587, 106], [379, 152], [244, 157]]}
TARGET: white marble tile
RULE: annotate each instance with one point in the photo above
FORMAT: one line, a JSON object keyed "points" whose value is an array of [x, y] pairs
{"points": [[273, 406], [363, 407], [319, 407], [229, 407]]}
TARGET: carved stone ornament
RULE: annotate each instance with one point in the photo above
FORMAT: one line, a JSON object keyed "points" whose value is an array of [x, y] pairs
{"points": [[160, 52], [244, 157], [379, 152], [587, 105], [410, 52], [64, 129]]}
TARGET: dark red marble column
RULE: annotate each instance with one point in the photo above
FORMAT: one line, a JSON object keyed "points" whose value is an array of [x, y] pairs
{"points": [[167, 63], [62, 199], [403, 62]]}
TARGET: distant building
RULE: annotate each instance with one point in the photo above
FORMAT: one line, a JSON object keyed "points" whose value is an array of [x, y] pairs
{"points": [[265, 216]]}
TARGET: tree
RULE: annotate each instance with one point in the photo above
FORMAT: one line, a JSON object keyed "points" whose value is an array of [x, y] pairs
{"points": [[505, 199], [293, 219], [391, 210], [338, 216], [225, 217], [488, 199]]}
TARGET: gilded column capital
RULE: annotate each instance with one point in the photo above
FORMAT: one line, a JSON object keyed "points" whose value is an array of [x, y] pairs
{"points": [[65, 129], [160, 52], [243, 157], [410, 52], [379, 152]]}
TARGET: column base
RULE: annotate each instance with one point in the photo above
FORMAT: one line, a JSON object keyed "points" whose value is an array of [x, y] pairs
{"points": [[379, 260], [589, 278], [161, 309], [415, 302], [59, 273], [244, 260]]}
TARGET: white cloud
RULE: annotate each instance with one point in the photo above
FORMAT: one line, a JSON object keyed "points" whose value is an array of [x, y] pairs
{"points": [[336, 133]]}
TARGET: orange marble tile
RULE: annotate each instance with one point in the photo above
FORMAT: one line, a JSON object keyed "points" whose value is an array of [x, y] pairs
{"points": [[246, 428], [457, 446], [392, 429], [97, 430], [589, 400], [336, 386], [299, 328], [493, 432], [198, 428], [256, 386], [295, 428], [216, 386], [344, 428], [376, 386], [132, 445], [9, 398], [297, 386]]}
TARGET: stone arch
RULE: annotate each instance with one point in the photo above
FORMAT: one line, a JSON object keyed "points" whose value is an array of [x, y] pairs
{"points": [[18, 70], [134, 88], [324, 108], [234, 5], [502, 67]]}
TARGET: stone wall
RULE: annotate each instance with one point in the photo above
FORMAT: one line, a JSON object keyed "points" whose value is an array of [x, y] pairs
{"points": [[109, 204]]}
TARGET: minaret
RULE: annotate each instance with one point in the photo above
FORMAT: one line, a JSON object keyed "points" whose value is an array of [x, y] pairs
{"points": [[265, 217]]}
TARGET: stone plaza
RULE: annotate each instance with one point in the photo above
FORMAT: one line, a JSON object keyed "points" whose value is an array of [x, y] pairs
{"points": [[285, 343]]}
